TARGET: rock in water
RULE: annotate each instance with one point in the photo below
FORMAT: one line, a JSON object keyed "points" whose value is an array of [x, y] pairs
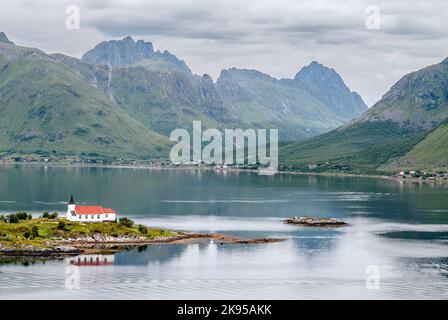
{"points": [[315, 222]]}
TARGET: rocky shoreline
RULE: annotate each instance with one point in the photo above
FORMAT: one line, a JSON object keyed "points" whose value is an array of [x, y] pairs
{"points": [[107, 244], [29, 250]]}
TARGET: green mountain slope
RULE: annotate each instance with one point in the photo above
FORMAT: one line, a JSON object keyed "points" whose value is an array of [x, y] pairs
{"points": [[316, 101], [156, 88], [401, 122], [165, 101], [431, 153], [262, 101], [48, 108], [360, 148], [419, 99]]}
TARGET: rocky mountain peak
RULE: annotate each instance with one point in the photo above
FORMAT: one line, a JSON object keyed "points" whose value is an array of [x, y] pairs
{"points": [[318, 72], [327, 85], [119, 53], [128, 52], [4, 38]]}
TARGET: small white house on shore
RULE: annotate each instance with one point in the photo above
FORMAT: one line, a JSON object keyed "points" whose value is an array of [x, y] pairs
{"points": [[89, 213]]}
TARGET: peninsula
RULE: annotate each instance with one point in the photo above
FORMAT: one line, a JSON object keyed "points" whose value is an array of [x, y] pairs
{"points": [[21, 235]]}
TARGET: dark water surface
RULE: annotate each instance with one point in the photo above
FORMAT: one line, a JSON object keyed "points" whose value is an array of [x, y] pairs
{"points": [[395, 246]]}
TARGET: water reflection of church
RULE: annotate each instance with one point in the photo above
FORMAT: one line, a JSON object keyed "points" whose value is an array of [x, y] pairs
{"points": [[92, 260]]}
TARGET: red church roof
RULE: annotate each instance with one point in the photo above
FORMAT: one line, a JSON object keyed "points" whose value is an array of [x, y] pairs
{"points": [[92, 210]]}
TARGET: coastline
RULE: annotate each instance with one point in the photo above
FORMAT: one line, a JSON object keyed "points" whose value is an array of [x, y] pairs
{"points": [[104, 244], [230, 169]]}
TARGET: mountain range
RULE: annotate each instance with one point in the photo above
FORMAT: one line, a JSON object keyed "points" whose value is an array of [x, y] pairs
{"points": [[315, 101], [123, 98]]}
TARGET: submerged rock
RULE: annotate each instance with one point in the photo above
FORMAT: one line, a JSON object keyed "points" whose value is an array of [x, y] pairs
{"points": [[315, 222]]}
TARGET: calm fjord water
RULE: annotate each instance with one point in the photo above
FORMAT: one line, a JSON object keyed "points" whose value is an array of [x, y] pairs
{"points": [[399, 230]]}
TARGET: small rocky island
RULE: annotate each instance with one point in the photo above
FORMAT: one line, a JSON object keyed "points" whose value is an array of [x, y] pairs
{"points": [[315, 222]]}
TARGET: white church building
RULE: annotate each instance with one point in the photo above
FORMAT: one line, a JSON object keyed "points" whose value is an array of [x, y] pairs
{"points": [[89, 213]]}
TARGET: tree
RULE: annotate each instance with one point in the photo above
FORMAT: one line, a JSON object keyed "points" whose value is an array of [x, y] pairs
{"points": [[126, 222], [3, 218], [13, 218], [22, 215], [142, 229]]}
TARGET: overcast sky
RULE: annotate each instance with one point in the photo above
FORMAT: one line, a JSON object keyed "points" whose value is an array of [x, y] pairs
{"points": [[277, 37]]}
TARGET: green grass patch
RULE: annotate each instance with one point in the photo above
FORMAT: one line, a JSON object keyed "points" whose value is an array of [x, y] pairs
{"points": [[38, 231], [359, 148]]}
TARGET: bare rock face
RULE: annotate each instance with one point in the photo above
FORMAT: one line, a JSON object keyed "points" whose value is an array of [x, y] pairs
{"points": [[99, 238], [127, 52], [4, 38], [315, 222], [119, 53], [327, 85]]}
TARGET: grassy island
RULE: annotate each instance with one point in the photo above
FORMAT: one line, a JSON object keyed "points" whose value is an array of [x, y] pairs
{"points": [[20, 232], [22, 235], [41, 229]]}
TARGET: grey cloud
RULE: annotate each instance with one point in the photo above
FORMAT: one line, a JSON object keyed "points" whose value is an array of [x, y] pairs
{"points": [[275, 37]]}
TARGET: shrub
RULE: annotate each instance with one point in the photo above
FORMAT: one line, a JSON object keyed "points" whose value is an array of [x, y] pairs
{"points": [[126, 222], [34, 232], [3, 218], [61, 225], [22, 215], [16, 217], [47, 215], [142, 229]]}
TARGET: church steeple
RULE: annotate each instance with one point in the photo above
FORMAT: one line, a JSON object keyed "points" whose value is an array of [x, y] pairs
{"points": [[71, 208]]}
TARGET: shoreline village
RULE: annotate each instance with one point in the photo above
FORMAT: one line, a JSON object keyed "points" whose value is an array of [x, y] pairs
{"points": [[235, 147]]}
